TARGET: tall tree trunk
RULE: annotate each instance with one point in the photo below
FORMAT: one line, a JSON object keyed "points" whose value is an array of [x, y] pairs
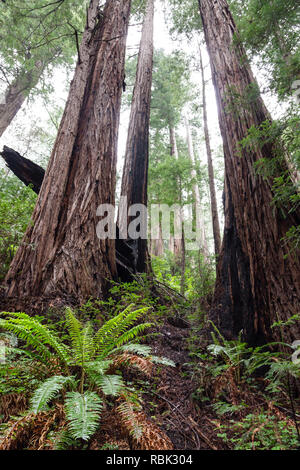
{"points": [[171, 244], [257, 278], [200, 227], [16, 93], [173, 142], [61, 252], [211, 176], [183, 262], [177, 244], [135, 173]]}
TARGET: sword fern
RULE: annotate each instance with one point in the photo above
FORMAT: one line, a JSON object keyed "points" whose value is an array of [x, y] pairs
{"points": [[86, 361]]}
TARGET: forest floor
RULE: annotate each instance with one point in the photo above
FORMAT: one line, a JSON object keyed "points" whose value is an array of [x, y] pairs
{"points": [[182, 404], [181, 400], [171, 400]]}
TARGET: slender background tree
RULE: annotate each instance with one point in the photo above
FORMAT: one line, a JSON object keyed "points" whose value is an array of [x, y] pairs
{"points": [[34, 37], [135, 172]]}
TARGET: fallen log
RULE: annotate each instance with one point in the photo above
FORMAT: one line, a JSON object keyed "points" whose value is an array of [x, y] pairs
{"points": [[27, 171]]}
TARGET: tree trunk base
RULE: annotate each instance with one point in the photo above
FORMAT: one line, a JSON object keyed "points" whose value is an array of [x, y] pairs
{"points": [[37, 305]]}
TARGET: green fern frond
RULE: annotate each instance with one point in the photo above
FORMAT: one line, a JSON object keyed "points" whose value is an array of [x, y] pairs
{"points": [[98, 367], [87, 350], [74, 329], [105, 338], [48, 391], [62, 440], [110, 384], [140, 349], [83, 414], [106, 330], [215, 340], [132, 333], [217, 349], [44, 334], [17, 351], [129, 319], [35, 334], [162, 360], [42, 353], [81, 339]]}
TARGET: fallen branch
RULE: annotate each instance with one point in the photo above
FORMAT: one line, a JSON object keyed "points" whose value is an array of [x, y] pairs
{"points": [[27, 171]]}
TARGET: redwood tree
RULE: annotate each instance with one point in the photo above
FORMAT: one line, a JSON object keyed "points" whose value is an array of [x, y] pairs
{"points": [[257, 279], [177, 245], [135, 173], [61, 253], [200, 224], [211, 175]]}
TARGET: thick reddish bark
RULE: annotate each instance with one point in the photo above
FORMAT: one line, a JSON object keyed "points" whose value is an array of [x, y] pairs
{"points": [[135, 173], [60, 252], [211, 176], [257, 279]]}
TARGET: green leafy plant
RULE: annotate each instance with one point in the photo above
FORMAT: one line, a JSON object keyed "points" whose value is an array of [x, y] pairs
{"points": [[84, 367], [260, 431], [16, 206], [247, 360]]}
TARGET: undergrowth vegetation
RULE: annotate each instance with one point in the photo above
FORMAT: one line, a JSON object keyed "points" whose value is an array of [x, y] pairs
{"points": [[16, 206], [67, 378], [63, 383], [77, 371], [252, 392]]}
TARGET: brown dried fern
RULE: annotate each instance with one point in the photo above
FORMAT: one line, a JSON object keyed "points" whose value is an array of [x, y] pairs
{"points": [[12, 404], [31, 431], [141, 363], [143, 433]]}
